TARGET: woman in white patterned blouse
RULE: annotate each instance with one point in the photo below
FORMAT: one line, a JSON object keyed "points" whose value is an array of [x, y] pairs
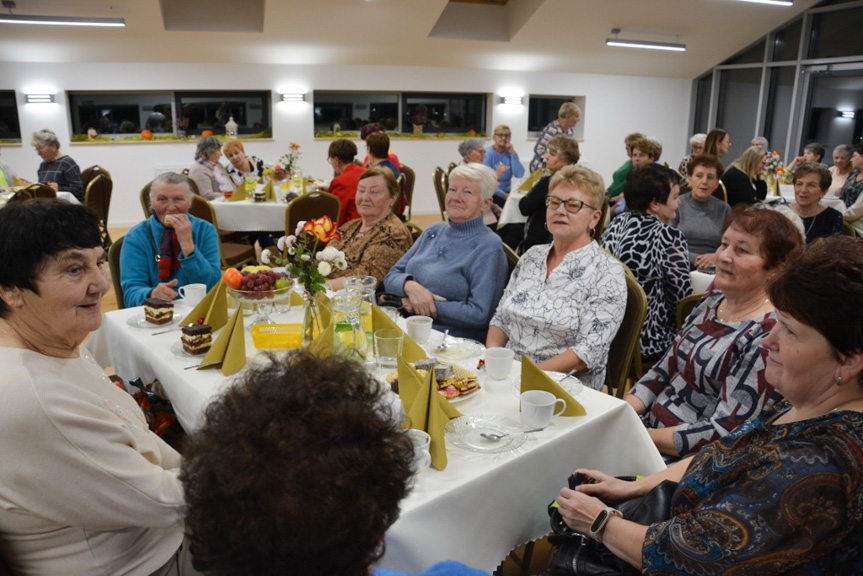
{"points": [[565, 300]]}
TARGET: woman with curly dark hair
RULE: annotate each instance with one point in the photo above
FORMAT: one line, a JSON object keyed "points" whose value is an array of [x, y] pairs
{"points": [[299, 469]]}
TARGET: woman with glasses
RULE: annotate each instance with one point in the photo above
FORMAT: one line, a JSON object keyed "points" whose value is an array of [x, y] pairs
{"points": [[654, 251], [503, 159], [565, 300]]}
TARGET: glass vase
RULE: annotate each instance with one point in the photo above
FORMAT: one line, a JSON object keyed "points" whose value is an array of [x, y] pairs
{"points": [[312, 321]]}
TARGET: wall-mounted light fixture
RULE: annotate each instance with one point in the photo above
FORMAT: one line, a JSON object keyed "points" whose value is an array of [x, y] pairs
{"points": [[846, 113], [296, 97], [40, 98], [646, 44], [774, 2], [56, 20], [517, 100]]}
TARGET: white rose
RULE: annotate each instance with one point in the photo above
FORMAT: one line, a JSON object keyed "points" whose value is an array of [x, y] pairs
{"points": [[265, 256], [324, 268], [305, 257], [299, 229]]}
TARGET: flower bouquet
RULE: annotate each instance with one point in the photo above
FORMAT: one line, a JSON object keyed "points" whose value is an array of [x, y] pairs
{"points": [[291, 161], [310, 263]]}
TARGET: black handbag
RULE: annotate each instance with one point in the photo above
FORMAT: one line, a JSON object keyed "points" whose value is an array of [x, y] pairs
{"points": [[579, 555]]}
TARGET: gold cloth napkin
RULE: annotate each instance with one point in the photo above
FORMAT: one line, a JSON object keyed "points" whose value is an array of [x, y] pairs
{"points": [[229, 348], [322, 346], [239, 193], [532, 378], [530, 182], [297, 299], [426, 409], [270, 193], [410, 349], [213, 308]]}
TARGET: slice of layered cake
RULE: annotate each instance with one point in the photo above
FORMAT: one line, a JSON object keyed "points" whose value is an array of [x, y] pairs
{"points": [[158, 311], [197, 339]]}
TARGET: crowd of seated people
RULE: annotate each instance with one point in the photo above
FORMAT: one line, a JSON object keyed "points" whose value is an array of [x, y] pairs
{"points": [[760, 369]]}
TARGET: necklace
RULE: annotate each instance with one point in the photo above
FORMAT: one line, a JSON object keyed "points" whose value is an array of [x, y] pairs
{"points": [[846, 404], [811, 224], [742, 316]]}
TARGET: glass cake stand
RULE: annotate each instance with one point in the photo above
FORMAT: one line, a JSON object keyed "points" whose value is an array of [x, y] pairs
{"points": [[264, 300]]}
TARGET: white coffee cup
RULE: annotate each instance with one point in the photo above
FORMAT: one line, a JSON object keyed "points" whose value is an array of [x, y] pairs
{"points": [[498, 362], [537, 408], [419, 328], [192, 294], [422, 442]]}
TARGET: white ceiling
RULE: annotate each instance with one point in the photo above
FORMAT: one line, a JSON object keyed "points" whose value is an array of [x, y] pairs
{"points": [[550, 35]]}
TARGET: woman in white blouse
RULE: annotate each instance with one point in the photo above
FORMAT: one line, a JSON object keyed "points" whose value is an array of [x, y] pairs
{"points": [[565, 300]]}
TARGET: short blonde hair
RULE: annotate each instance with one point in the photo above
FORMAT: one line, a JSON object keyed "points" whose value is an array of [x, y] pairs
{"points": [[568, 109], [583, 179]]}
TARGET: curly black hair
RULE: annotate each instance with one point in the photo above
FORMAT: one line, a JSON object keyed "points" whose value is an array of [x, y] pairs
{"points": [[299, 469]]}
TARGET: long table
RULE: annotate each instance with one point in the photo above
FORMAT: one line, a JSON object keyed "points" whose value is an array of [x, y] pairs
{"points": [[250, 216], [479, 507]]}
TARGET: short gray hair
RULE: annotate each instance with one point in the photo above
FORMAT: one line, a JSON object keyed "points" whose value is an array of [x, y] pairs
{"points": [[844, 149], [45, 138], [469, 144], [764, 143], [206, 145], [169, 178], [479, 173], [699, 138]]}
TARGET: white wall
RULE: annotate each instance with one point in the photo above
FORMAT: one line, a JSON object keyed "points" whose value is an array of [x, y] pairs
{"points": [[615, 106]]}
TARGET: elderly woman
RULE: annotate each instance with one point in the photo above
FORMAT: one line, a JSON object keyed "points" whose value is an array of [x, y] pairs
{"points": [[840, 169], [170, 248], [812, 152], [471, 150], [373, 243], [280, 520], [57, 170], [717, 143], [811, 181], [743, 183], [655, 252], [561, 151], [210, 176], [851, 191], [701, 216], [696, 145], [782, 494], [565, 300], [242, 165], [85, 487], [711, 380], [615, 189], [644, 151], [456, 271]]}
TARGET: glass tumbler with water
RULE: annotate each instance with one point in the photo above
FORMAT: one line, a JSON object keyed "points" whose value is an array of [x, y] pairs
{"points": [[366, 286], [348, 334]]}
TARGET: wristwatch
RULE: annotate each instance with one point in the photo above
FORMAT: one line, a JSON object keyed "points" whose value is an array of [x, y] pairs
{"points": [[601, 520]]}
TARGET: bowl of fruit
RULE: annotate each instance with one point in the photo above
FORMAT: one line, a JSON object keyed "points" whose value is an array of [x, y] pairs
{"points": [[259, 285]]}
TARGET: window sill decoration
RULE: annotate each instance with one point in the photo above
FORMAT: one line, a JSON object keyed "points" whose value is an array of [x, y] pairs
{"points": [[137, 138], [325, 134]]}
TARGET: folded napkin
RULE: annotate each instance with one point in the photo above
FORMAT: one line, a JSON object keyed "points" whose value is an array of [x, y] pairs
{"points": [[322, 346], [239, 193], [410, 349], [213, 308], [530, 182], [532, 378], [229, 349], [426, 409], [297, 299], [270, 193]]}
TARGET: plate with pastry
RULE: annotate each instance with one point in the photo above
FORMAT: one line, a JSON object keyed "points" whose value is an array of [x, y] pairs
{"points": [[454, 383]]}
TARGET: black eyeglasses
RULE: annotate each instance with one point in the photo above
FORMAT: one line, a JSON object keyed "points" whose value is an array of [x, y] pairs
{"points": [[572, 206], [503, 135]]}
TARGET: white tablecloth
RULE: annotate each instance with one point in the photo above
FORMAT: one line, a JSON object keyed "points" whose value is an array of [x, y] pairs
{"points": [[479, 507], [511, 214], [68, 197], [250, 216]]}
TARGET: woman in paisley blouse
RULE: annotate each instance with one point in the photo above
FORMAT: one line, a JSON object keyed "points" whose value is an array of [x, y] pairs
{"points": [[782, 494], [711, 380], [377, 239], [655, 252], [565, 300]]}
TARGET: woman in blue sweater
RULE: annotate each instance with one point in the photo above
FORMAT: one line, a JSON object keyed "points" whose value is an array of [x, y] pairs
{"points": [[187, 247], [455, 272]]}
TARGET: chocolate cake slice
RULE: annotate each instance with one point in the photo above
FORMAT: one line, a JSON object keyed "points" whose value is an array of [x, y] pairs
{"points": [[197, 339], [158, 311]]}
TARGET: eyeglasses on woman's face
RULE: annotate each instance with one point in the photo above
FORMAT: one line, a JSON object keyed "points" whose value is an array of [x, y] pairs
{"points": [[503, 135], [572, 205]]}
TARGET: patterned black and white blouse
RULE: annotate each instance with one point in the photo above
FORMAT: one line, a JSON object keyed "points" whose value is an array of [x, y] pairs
{"points": [[578, 307], [658, 256], [851, 190]]}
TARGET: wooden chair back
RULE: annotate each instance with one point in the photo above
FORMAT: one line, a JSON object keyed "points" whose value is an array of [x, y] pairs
{"points": [[511, 259], [97, 197], [310, 206], [685, 306], [408, 191], [439, 179], [145, 194], [600, 228], [625, 345], [114, 266], [88, 174]]}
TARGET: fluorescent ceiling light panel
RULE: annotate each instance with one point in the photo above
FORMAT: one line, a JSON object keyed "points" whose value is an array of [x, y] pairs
{"points": [[61, 20], [40, 98], [774, 2], [621, 42], [519, 100], [293, 97]]}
